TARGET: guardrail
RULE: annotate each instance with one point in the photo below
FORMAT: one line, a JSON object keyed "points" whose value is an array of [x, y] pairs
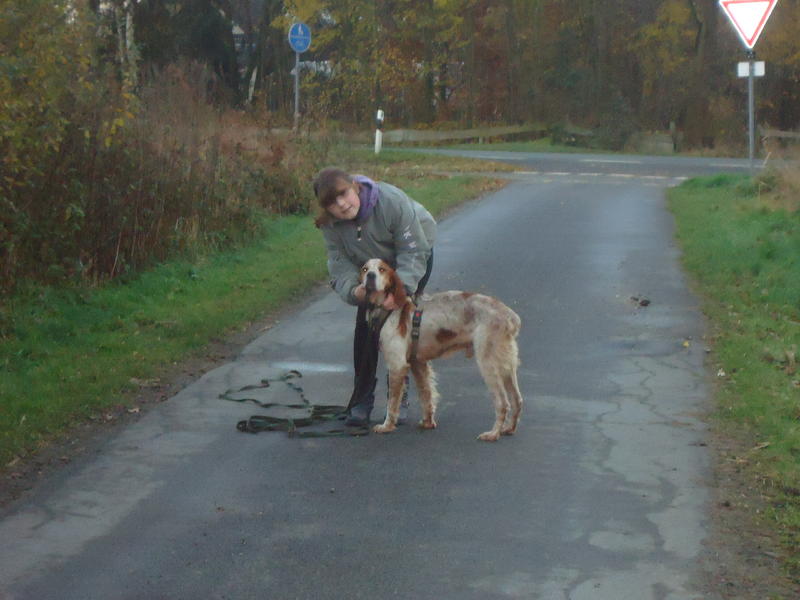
{"points": [[775, 133]]}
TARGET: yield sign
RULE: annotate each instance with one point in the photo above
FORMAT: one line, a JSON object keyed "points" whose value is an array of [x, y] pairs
{"points": [[749, 17]]}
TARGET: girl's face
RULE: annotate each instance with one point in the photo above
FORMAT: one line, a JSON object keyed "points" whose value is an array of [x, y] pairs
{"points": [[347, 202]]}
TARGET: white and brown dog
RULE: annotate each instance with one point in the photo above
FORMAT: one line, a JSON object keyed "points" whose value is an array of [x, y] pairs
{"points": [[480, 325]]}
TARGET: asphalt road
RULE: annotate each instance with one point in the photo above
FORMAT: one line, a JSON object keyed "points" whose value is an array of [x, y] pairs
{"points": [[602, 494], [621, 166]]}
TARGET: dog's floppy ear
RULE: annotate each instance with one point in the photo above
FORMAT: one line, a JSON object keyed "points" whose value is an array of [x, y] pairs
{"points": [[397, 289]]}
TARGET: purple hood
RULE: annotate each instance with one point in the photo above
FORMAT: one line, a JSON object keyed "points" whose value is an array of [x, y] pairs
{"points": [[369, 197]]}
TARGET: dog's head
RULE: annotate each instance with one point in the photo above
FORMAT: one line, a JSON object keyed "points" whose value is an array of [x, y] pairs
{"points": [[380, 280]]}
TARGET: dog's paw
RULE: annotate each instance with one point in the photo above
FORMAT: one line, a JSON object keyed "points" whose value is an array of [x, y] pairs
{"points": [[384, 428], [489, 436], [427, 424]]}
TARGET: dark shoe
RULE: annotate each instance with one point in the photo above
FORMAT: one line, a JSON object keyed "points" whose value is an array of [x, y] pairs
{"points": [[359, 415]]}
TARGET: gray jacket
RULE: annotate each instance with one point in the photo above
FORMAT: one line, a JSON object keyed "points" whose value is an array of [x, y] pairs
{"points": [[400, 231]]}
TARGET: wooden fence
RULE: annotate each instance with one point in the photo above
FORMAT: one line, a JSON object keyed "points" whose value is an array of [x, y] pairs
{"points": [[766, 134]]}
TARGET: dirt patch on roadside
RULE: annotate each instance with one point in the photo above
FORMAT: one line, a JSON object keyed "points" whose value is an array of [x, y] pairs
{"points": [[744, 557]]}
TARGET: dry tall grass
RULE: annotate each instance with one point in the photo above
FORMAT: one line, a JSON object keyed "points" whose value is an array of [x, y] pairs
{"points": [[779, 185], [148, 177]]}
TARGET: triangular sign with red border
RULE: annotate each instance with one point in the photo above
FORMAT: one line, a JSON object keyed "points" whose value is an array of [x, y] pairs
{"points": [[748, 17]]}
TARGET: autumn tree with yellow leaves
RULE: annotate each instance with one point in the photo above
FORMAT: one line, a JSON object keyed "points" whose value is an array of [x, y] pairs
{"points": [[110, 155]]}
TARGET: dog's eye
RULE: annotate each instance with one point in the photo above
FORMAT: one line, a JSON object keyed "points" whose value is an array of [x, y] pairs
{"points": [[382, 269]]}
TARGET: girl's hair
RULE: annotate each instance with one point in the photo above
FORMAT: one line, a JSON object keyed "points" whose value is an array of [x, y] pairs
{"points": [[328, 186]]}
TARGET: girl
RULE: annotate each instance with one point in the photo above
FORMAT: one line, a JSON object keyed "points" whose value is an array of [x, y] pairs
{"points": [[362, 219]]}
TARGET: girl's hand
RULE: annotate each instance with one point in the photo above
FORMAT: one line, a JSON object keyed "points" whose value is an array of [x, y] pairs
{"points": [[360, 293]]}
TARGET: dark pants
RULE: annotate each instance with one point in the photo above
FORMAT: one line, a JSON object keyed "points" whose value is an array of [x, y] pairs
{"points": [[366, 341]]}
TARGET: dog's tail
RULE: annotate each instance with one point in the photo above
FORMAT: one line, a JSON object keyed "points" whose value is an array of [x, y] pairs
{"points": [[512, 322]]}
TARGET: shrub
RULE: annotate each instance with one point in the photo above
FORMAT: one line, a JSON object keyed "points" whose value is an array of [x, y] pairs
{"points": [[49, 104], [134, 180]]}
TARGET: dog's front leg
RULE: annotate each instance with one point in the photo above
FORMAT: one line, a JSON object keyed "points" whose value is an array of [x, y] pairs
{"points": [[396, 385], [428, 396]]}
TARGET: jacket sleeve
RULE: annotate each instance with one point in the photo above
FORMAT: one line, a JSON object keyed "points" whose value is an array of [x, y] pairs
{"points": [[343, 273], [411, 246]]}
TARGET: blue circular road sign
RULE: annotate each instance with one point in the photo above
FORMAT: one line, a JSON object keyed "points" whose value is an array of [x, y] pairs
{"points": [[299, 37]]}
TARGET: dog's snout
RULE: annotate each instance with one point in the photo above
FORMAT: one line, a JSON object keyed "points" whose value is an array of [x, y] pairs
{"points": [[370, 281]]}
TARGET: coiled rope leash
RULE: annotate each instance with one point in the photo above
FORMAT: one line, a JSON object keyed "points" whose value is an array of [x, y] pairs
{"points": [[317, 413]]}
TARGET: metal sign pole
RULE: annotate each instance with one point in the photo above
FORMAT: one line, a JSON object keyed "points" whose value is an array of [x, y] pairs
{"points": [[299, 40], [751, 110], [296, 90]]}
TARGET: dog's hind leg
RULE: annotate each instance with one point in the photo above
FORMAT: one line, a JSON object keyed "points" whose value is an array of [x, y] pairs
{"points": [[512, 390], [494, 381], [488, 354], [511, 386], [396, 385], [485, 344], [425, 379], [495, 384]]}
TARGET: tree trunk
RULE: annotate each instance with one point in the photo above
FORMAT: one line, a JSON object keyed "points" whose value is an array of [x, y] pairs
{"points": [[534, 61], [469, 66], [273, 59], [698, 125], [131, 53], [429, 107], [600, 26], [513, 60], [127, 54]]}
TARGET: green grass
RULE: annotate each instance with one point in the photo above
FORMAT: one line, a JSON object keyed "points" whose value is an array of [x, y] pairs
{"points": [[406, 161], [68, 354], [745, 257]]}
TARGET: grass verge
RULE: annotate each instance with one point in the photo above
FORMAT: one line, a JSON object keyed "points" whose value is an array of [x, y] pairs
{"points": [[66, 354], [743, 250]]}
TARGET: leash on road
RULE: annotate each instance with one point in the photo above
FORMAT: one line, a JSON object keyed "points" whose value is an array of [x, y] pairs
{"points": [[317, 413]]}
